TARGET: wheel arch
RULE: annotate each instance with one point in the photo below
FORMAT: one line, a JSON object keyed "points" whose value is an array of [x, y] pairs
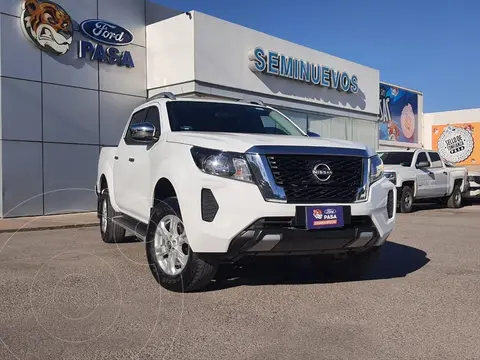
{"points": [[411, 184]]}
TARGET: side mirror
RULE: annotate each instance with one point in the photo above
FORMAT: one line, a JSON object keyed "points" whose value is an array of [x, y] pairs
{"points": [[312, 134], [143, 132], [422, 164]]}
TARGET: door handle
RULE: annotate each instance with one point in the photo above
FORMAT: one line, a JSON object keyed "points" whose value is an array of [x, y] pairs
{"points": [[131, 159], [445, 173], [116, 157]]}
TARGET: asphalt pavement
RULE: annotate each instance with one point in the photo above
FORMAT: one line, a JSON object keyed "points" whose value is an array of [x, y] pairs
{"points": [[67, 295]]}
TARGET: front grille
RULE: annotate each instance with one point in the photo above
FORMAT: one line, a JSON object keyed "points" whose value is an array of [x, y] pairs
{"points": [[294, 173]]}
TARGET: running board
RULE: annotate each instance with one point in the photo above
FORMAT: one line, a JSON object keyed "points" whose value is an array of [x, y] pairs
{"points": [[138, 228]]}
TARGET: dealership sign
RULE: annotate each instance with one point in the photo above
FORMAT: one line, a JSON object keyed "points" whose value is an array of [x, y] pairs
{"points": [[274, 63], [107, 33], [49, 27]]}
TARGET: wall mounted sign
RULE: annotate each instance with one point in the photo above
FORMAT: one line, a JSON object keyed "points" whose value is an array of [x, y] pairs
{"points": [[106, 32], [273, 63], [456, 143], [110, 34], [49, 27], [398, 114]]}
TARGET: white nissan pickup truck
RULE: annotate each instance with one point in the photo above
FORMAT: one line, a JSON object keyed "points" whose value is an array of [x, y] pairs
{"points": [[420, 174], [205, 182]]}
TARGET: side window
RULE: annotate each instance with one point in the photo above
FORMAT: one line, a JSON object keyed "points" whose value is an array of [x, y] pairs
{"points": [[436, 161], [153, 117], [137, 118], [271, 127], [422, 157]]}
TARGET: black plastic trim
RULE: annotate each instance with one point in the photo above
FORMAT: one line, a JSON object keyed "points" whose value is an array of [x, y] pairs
{"points": [[390, 204], [209, 205], [295, 240]]}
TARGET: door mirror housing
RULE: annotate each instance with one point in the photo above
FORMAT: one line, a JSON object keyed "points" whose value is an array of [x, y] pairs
{"points": [[422, 164], [143, 132]]}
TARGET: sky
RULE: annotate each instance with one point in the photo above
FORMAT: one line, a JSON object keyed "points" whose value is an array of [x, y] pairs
{"points": [[425, 45]]}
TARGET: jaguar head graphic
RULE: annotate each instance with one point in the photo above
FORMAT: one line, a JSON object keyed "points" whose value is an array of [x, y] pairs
{"points": [[47, 25]]}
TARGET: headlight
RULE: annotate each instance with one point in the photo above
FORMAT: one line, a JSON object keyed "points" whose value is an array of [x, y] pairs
{"points": [[392, 176], [376, 168], [224, 164]]}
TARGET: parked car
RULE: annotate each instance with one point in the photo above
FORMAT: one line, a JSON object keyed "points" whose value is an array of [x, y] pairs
{"points": [[204, 182], [420, 174], [473, 191]]}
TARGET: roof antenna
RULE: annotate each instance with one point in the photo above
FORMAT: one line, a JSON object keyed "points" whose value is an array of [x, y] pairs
{"points": [[188, 14]]}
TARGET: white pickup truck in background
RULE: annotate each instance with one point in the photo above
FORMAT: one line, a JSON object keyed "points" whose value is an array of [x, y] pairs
{"points": [[209, 181], [421, 174]]}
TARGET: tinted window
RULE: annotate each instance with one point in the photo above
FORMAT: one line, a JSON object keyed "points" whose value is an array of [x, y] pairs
{"points": [[435, 157], [231, 118], [153, 117], [422, 157], [397, 158], [137, 118]]}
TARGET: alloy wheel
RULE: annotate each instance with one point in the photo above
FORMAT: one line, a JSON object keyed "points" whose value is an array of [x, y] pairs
{"points": [[171, 245]]}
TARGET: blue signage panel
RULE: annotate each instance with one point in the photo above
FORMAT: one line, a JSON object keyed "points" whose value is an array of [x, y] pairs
{"points": [[398, 115], [273, 63], [106, 32]]}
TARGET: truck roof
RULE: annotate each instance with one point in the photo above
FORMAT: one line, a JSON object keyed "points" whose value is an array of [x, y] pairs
{"points": [[407, 150], [167, 96]]}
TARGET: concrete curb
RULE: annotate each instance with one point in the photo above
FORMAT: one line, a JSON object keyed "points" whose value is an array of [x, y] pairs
{"points": [[48, 227]]}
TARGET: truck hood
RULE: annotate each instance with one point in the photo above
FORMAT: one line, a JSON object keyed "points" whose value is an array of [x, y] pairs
{"points": [[242, 142], [392, 168]]}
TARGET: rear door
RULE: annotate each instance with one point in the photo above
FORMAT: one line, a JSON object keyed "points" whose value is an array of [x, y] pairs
{"points": [[439, 173]]}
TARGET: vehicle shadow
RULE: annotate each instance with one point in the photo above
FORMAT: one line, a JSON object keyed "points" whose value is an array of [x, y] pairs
{"points": [[396, 261], [425, 206]]}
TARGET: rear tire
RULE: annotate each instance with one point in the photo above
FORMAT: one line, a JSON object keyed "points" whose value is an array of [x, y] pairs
{"points": [[171, 260], [455, 199], [406, 199], [111, 232]]}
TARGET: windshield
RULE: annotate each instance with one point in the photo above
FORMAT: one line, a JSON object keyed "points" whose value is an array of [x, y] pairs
{"points": [[232, 118], [397, 158]]}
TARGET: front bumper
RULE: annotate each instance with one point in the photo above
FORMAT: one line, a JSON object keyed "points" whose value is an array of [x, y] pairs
{"points": [[285, 236], [244, 223], [472, 192]]}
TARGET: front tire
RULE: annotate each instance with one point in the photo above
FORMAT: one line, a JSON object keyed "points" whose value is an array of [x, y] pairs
{"points": [[455, 199], [171, 260], [406, 199], [110, 232]]}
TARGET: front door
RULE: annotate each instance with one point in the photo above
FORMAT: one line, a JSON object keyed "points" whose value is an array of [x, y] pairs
{"points": [[133, 170], [440, 175], [125, 168], [425, 178]]}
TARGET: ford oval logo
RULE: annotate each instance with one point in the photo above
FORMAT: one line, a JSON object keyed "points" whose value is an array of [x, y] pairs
{"points": [[106, 32]]}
